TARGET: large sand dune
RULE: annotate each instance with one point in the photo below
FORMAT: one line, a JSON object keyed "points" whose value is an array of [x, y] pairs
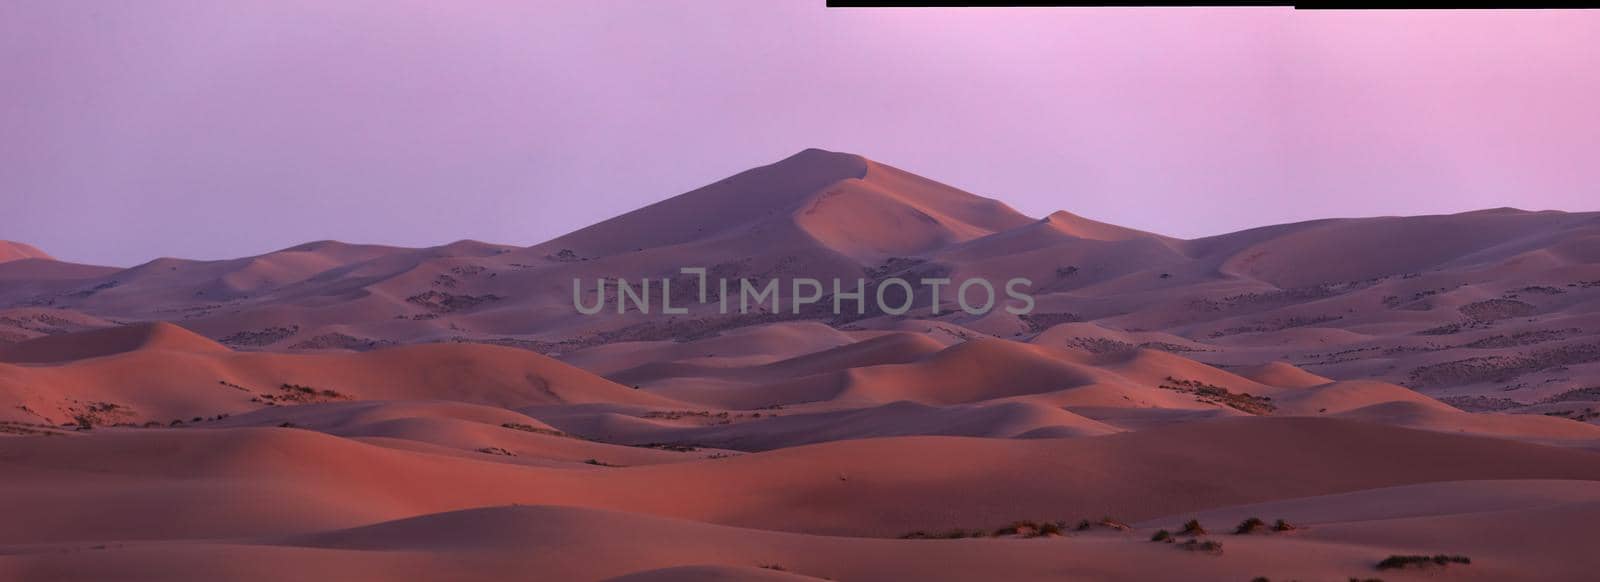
{"points": [[1391, 385]]}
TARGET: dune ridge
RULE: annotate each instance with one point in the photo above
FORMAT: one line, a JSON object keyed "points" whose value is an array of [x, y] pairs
{"points": [[1386, 386]]}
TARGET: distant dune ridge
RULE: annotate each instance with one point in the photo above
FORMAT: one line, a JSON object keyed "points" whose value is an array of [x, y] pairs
{"points": [[15, 251], [1386, 386]]}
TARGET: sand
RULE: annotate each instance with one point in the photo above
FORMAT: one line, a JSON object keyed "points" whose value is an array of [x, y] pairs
{"points": [[1393, 385]]}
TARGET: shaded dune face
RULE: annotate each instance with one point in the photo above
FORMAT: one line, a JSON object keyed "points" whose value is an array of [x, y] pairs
{"points": [[1386, 386]]}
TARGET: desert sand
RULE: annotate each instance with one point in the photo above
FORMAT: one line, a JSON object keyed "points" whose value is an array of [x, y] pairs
{"points": [[1386, 386]]}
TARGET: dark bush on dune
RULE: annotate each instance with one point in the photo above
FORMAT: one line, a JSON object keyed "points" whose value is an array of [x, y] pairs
{"points": [[1208, 546], [1192, 528], [1414, 561], [1250, 526]]}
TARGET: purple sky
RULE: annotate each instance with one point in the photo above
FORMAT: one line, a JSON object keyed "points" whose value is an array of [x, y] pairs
{"points": [[131, 130]]}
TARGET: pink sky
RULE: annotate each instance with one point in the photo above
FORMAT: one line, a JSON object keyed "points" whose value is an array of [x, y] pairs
{"points": [[218, 129]]}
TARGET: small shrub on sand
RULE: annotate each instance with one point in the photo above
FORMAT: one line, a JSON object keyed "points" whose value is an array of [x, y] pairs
{"points": [[1282, 525], [1192, 528], [1162, 536], [1104, 522], [1250, 526], [954, 534], [1412, 561], [1208, 546], [1029, 529]]}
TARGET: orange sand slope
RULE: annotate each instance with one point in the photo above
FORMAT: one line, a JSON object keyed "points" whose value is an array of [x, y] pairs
{"points": [[1387, 386], [431, 453]]}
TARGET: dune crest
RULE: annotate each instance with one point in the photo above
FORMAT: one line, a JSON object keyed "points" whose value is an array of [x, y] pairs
{"points": [[1385, 386]]}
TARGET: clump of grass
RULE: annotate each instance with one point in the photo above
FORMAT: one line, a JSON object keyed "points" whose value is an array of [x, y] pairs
{"points": [[1029, 529], [1208, 546], [1162, 535], [599, 463], [1416, 561], [1250, 526], [1022, 528], [538, 430], [1192, 528], [1282, 525], [955, 534], [1105, 522]]}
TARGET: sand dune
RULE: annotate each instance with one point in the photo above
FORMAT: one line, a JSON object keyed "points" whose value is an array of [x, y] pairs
{"points": [[160, 373], [570, 544], [109, 341], [775, 430], [15, 251], [1282, 375], [1395, 385], [877, 487]]}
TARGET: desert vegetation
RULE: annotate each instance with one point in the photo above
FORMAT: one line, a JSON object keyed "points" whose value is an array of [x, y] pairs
{"points": [[1401, 562], [1213, 394]]}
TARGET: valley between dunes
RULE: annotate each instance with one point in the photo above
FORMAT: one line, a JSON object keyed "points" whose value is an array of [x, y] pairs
{"points": [[1384, 386]]}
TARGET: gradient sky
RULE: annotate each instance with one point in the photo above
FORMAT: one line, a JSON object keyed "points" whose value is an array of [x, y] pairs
{"points": [[203, 129]]}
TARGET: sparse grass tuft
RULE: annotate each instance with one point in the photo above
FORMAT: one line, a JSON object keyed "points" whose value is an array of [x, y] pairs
{"points": [[1162, 536], [1192, 528], [1415, 561], [1208, 546], [1250, 526]]}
